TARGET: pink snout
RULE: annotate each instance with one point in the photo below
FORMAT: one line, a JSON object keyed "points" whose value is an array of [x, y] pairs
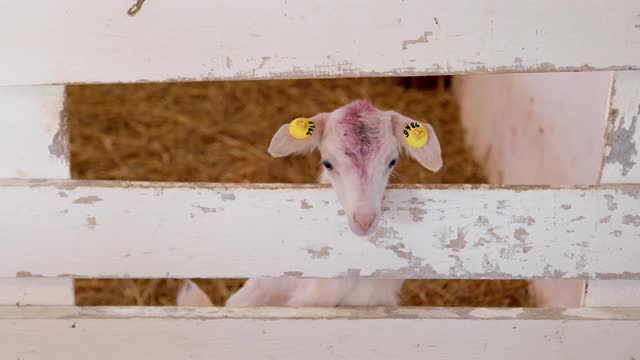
{"points": [[363, 223]]}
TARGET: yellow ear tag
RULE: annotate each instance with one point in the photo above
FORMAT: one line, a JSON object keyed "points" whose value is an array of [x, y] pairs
{"points": [[301, 128], [415, 134]]}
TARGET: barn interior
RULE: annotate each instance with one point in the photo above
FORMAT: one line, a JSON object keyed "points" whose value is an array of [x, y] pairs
{"points": [[219, 132]]}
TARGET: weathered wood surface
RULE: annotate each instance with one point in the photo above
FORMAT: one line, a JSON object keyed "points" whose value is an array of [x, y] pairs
{"points": [[79, 41], [550, 129], [33, 141], [36, 291], [119, 229], [33, 144], [612, 293], [538, 129], [34, 333], [621, 163]]}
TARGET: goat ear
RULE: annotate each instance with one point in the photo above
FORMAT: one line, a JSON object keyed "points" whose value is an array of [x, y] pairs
{"points": [[283, 144], [429, 154], [190, 294]]}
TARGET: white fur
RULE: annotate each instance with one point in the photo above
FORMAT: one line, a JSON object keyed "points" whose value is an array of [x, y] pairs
{"points": [[297, 292], [359, 192], [190, 294]]}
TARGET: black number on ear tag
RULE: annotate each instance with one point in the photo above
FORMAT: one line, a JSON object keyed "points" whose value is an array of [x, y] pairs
{"points": [[406, 133], [414, 125], [311, 128]]}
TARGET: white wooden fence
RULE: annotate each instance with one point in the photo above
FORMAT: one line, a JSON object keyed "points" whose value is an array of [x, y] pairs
{"points": [[53, 229]]}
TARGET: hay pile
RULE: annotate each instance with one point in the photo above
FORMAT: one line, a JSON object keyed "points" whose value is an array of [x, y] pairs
{"points": [[219, 132]]}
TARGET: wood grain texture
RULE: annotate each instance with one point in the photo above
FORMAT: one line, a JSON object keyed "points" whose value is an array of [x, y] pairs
{"points": [[34, 333], [120, 229], [33, 140], [225, 39], [621, 163]]}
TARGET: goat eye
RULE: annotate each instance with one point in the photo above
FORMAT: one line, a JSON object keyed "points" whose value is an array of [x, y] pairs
{"points": [[392, 163], [327, 164]]}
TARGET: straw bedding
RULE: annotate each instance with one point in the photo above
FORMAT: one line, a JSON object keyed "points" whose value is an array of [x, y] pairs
{"points": [[219, 132]]}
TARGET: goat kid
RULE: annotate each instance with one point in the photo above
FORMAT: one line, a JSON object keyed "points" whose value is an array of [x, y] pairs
{"points": [[360, 146]]}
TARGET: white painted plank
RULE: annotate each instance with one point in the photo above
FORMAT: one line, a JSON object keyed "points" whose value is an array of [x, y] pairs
{"points": [[538, 129], [436, 333], [315, 313], [33, 140], [622, 153], [612, 293], [116, 229], [227, 39], [36, 291], [621, 164], [33, 144], [523, 128]]}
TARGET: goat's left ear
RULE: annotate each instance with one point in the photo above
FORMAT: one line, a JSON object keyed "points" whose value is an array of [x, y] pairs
{"points": [[284, 143], [190, 294], [427, 154]]}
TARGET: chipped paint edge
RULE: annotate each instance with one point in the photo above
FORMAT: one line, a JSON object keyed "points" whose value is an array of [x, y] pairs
{"points": [[338, 72], [624, 108], [628, 189], [280, 313], [59, 146], [608, 125]]}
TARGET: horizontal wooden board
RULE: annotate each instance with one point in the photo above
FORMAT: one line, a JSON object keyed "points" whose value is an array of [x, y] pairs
{"points": [[33, 144], [621, 163], [612, 293], [36, 291], [33, 133], [121, 229], [70, 41], [34, 333]]}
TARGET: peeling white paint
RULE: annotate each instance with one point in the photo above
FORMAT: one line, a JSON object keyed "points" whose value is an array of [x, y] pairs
{"points": [[622, 153], [460, 234], [280, 39], [31, 144]]}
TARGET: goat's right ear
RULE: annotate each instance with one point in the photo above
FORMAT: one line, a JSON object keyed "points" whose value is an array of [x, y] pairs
{"points": [[284, 144]]}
